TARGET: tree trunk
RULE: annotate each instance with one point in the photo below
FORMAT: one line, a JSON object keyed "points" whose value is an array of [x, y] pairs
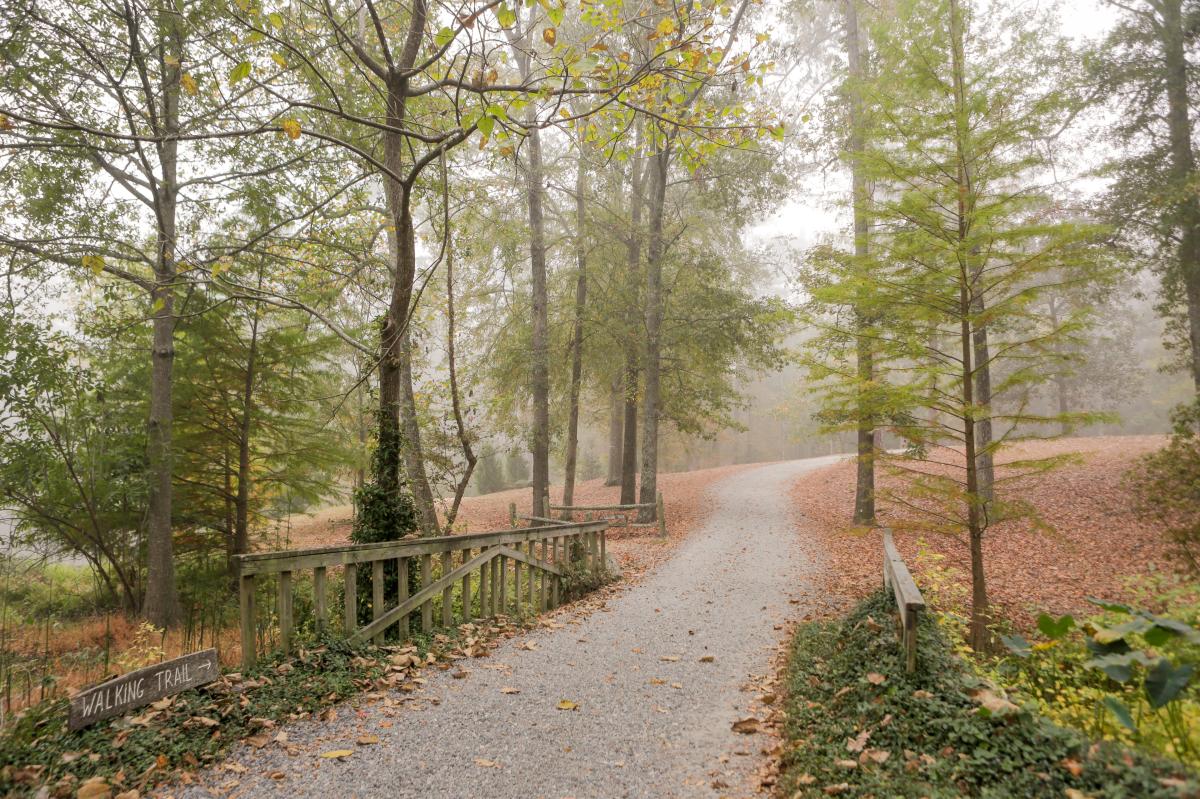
{"points": [[864, 491], [539, 355], [1183, 168], [161, 607], [983, 399], [616, 408], [414, 456], [634, 259], [241, 536], [970, 304], [577, 336], [652, 368]]}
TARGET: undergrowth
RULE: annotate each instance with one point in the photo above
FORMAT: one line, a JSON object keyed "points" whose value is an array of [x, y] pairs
{"points": [[857, 725], [139, 750]]}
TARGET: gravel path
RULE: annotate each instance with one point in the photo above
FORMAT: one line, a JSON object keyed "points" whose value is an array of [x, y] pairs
{"points": [[652, 719]]}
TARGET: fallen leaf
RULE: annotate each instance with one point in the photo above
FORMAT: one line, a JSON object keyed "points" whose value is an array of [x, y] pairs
{"points": [[858, 742], [1073, 766], [846, 763], [707, 659], [479, 761], [337, 754], [95, 788], [875, 678], [508, 689], [566, 704], [367, 740], [669, 658], [746, 726]]}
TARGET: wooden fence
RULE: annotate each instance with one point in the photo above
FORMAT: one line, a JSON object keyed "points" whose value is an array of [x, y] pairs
{"points": [[909, 601], [660, 518], [484, 570]]}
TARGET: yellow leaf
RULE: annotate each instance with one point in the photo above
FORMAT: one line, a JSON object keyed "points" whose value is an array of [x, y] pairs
{"points": [[188, 83], [665, 27], [170, 60], [337, 754], [567, 704], [367, 740], [291, 127], [549, 35], [280, 60], [94, 263]]}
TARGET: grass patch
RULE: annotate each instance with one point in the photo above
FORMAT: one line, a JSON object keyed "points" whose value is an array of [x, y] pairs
{"points": [[857, 725]]}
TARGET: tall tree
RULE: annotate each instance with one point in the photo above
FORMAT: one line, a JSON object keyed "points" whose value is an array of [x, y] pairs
{"points": [[1149, 68]]}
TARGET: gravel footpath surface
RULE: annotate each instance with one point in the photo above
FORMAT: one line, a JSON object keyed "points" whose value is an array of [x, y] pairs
{"points": [[652, 718]]}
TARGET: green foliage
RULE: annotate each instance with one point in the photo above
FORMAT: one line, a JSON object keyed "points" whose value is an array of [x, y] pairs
{"points": [[1125, 674], [384, 509], [1166, 484], [939, 739]]}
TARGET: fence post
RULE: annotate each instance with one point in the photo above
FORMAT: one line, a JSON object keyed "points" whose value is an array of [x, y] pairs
{"points": [[246, 603], [512, 514], [350, 617], [319, 591]]}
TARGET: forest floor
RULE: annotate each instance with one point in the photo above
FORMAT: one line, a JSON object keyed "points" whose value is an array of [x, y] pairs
{"points": [[635, 549], [1096, 544], [663, 688]]}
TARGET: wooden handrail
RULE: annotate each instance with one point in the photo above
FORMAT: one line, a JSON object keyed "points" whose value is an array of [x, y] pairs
{"points": [[660, 517], [909, 601], [496, 555]]}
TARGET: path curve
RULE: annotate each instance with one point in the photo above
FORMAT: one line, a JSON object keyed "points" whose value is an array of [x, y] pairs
{"points": [[721, 593]]}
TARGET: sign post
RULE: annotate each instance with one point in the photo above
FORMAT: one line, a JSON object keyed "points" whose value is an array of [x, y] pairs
{"points": [[114, 697]]}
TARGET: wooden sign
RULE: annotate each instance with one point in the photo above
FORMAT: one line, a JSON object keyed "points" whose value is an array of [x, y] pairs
{"points": [[141, 687]]}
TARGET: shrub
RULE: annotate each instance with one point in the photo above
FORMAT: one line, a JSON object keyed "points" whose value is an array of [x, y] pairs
{"points": [[858, 725]]}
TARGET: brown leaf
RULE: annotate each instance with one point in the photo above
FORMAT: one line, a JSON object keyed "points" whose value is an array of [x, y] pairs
{"points": [[746, 726], [859, 741], [94, 788], [875, 678], [508, 689], [367, 740], [707, 659]]}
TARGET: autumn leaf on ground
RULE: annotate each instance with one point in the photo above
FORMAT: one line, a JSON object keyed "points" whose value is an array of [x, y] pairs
{"points": [[337, 754], [746, 726], [95, 788], [367, 740], [566, 704], [875, 678], [707, 659], [858, 742], [479, 761], [669, 658], [508, 689]]}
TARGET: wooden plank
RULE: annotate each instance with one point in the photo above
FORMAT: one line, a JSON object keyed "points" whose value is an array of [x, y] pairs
{"points": [[466, 589], [601, 507], [286, 622], [246, 608], [377, 595], [320, 590], [542, 582], [299, 559], [137, 688], [401, 595], [517, 582], [603, 550], [502, 608], [448, 591], [427, 606], [907, 593], [485, 585], [493, 586], [350, 592], [421, 596]]}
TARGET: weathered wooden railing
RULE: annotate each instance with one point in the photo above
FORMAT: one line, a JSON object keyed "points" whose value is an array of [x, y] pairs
{"points": [[542, 553], [660, 518], [909, 601]]}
